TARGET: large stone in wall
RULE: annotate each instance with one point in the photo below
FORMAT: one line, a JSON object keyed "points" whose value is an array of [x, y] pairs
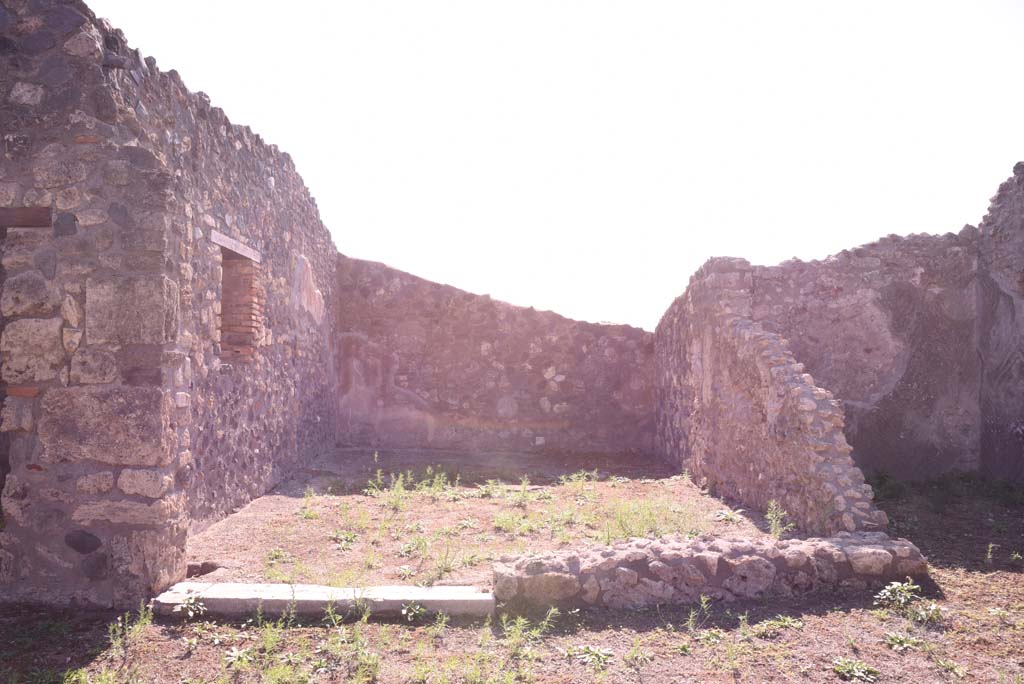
{"points": [[117, 425], [28, 294], [122, 310], [32, 349]]}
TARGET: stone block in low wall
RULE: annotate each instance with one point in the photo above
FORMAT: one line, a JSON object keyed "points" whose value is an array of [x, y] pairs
{"points": [[645, 572]]}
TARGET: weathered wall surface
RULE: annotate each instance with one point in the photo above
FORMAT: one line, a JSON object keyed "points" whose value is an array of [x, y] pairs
{"points": [[889, 329], [91, 509], [736, 408], [643, 572], [1001, 331], [240, 424], [428, 365], [125, 426]]}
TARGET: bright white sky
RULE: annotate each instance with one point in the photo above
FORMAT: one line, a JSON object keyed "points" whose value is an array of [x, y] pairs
{"points": [[587, 156]]}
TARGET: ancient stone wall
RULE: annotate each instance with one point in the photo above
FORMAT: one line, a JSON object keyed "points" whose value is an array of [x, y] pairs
{"points": [[1001, 331], [737, 410], [889, 329], [251, 369], [428, 365], [643, 572], [125, 425]]}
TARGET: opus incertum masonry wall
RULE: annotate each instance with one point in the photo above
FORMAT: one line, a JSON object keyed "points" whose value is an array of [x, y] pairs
{"points": [[179, 334]]}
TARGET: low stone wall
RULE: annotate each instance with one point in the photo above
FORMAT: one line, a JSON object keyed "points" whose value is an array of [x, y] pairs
{"points": [[737, 410], [428, 365], [674, 570]]}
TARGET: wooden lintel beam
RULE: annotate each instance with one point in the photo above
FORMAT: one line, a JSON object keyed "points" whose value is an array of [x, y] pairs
{"points": [[26, 217]]}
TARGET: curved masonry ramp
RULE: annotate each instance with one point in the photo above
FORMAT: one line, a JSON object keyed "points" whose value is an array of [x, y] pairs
{"points": [[235, 599], [674, 570]]}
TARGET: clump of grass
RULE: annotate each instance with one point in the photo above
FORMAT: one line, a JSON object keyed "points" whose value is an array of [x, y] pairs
{"points": [[769, 629], [520, 634]]}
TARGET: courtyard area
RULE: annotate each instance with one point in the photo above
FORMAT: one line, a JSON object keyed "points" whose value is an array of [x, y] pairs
{"points": [[429, 518]]}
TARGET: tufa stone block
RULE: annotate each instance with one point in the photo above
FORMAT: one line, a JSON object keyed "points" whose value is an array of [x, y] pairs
{"points": [[32, 350], [28, 294], [116, 425], [131, 310], [93, 367], [149, 483], [95, 483]]}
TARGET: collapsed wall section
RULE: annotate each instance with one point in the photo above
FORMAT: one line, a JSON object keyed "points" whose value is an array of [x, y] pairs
{"points": [[428, 365], [127, 424], [737, 410]]}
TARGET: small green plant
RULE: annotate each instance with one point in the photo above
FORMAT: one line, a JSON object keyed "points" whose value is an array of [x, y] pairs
{"points": [[684, 648], [521, 498], [710, 637], [699, 616], [520, 635], [596, 658], [192, 606], [278, 555], [926, 614], [852, 670], [440, 626], [727, 516], [406, 572], [990, 553], [492, 489], [445, 562], [901, 642], [776, 517], [636, 657], [397, 495], [413, 611], [344, 539], [898, 596], [951, 667], [414, 547], [769, 629], [237, 658]]}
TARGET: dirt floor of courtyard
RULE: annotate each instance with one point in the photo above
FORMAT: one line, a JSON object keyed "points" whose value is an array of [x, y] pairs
{"points": [[325, 527], [430, 518]]}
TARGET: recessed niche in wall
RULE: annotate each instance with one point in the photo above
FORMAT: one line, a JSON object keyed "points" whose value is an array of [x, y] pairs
{"points": [[242, 297]]}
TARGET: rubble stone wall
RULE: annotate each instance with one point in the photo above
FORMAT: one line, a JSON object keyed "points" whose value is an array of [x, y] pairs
{"points": [[428, 365], [738, 411], [889, 329], [643, 572], [125, 428], [1001, 331]]}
